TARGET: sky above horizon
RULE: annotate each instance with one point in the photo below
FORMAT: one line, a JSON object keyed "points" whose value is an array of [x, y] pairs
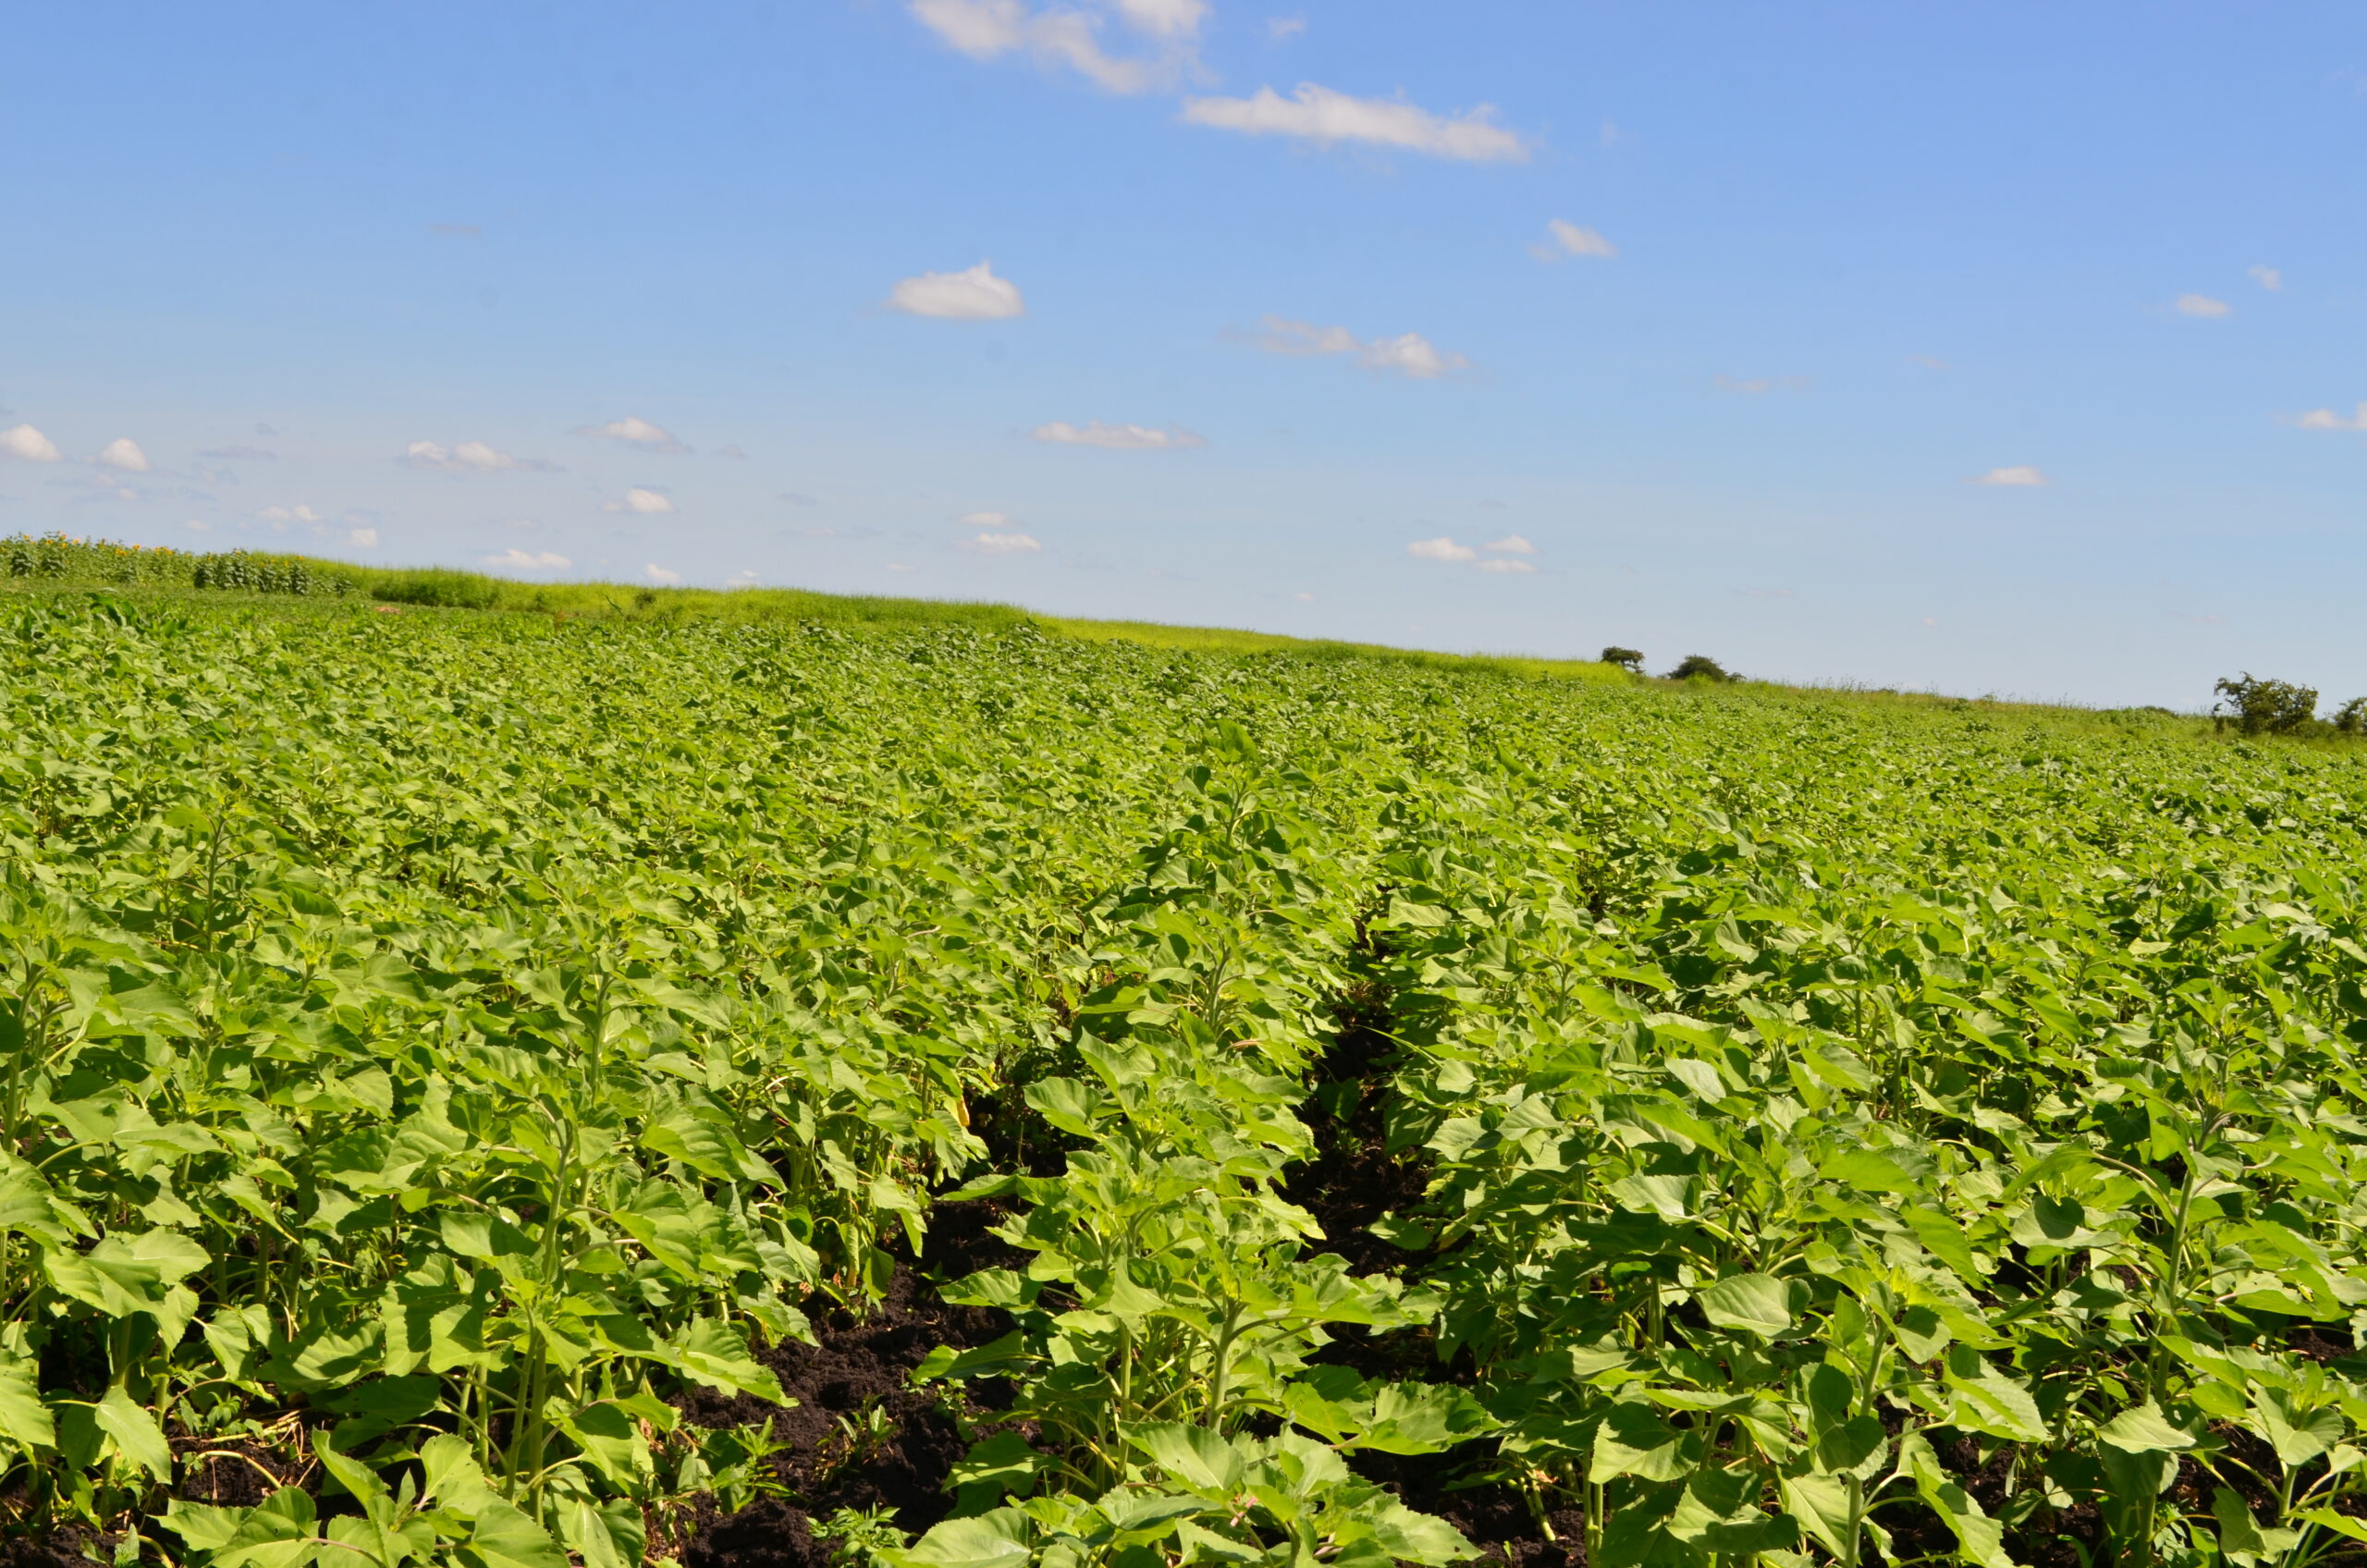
{"points": [[2010, 348]]}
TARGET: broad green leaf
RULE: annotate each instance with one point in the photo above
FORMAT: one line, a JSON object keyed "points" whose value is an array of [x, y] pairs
{"points": [[1758, 1303], [135, 1433]]}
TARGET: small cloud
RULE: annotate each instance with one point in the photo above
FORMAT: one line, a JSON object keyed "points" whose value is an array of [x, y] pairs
{"points": [[362, 538], [991, 543], [1441, 549], [1506, 566], [1930, 621], [2201, 305], [2326, 419], [985, 29], [526, 524], [647, 503], [1279, 29], [1511, 545], [2267, 277], [632, 430], [1411, 355], [195, 526], [1755, 385], [897, 566], [796, 499], [656, 573], [1324, 116], [456, 230], [1564, 241], [1928, 361], [285, 515], [2020, 474], [973, 294], [731, 451], [123, 453], [266, 431], [744, 578], [1117, 437], [1304, 598], [23, 441], [469, 456], [983, 520], [516, 560], [241, 455]]}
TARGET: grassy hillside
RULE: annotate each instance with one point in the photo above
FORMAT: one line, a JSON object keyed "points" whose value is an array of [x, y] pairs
{"points": [[506, 1089]]}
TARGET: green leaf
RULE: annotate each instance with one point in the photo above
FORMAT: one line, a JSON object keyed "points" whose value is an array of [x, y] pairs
{"points": [[991, 1540], [1756, 1304], [2144, 1429], [1992, 1402], [1979, 1538], [1196, 1456], [23, 1418], [135, 1432]]}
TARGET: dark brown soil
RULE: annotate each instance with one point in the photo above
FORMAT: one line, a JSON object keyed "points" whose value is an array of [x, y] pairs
{"points": [[862, 1365]]}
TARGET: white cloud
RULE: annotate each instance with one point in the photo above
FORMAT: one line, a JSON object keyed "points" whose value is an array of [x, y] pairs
{"points": [[1564, 240], [123, 453], [1279, 29], [290, 514], [1411, 355], [2267, 277], [24, 441], [516, 560], [1002, 543], [744, 578], [362, 538], [2201, 305], [1441, 549], [987, 29], [633, 432], [194, 526], [972, 294], [1320, 115], [983, 520], [1505, 566], [897, 566], [470, 457], [1928, 361], [731, 451], [1118, 438], [1511, 545], [2326, 419], [647, 503], [2020, 474], [656, 573], [1304, 598]]}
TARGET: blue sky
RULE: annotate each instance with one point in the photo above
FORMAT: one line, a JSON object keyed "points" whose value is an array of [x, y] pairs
{"points": [[1498, 326]]}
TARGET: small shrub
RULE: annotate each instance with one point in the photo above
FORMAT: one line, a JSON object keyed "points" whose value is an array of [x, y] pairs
{"points": [[1701, 666], [1629, 659], [440, 588], [2351, 717], [2261, 706]]}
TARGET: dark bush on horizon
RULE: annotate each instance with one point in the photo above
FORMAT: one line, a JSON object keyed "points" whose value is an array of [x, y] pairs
{"points": [[1629, 659], [437, 587], [2258, 706], [1701, 666]]}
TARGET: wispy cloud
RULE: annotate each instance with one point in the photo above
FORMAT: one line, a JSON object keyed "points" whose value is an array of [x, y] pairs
{"points": [[1117, 437], [474, 457], [656, 573], [285, 515], [2019, 475], [995, 544], [1564, 240], [516, 560], [645, 502], [1320, 115], [2326, 419], [1928, 361], [1281, 29], [1504, 565], [29, 444], [241, 455], [983, 520], [1441, 549], [1511, 545], [2201, 305], [633, 430], [2267, 277], [1069, 38], [361, 538], [730, 451], [1410, 354], [972, 294]]}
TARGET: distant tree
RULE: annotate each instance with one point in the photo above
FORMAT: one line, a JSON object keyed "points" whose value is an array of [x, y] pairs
{"points": [[2257, 703], [2351, 717], [1629, 659], [1701, 666]]}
